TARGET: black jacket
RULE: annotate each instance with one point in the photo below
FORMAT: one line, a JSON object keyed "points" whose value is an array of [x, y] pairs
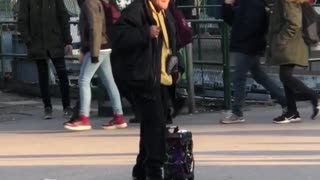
{"points": [[136, 58], [249, 22]]}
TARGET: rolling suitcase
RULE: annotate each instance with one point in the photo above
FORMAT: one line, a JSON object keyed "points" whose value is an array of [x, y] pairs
{"points": [[180, 161]]}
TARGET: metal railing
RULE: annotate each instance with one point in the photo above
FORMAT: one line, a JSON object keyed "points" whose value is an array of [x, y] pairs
{"points": [[216, 52], [17, 49], [196, 58]]}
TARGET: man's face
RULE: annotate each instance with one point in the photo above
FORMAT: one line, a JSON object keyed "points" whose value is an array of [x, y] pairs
{"points": [[160, 4]]}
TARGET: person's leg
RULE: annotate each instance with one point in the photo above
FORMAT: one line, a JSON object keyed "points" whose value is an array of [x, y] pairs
{"points": [[262, 78], [60, 66], [106, 76], [171, 102], [165, 98], [126, 93], [138, 171], [242, 64], [298, 86], [43, 77], [292, 114], [75, 113], [291, 99], [153, 137], [87, 71]]}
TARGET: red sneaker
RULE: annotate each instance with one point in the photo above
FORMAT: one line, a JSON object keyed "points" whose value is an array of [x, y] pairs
{"points": [[117, 122], [82, 124]]}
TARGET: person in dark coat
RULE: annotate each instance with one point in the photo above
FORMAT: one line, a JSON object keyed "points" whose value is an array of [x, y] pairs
{"points": [[288, 50], [249, 22], [176, 102], [44, 27], [143, 40]]}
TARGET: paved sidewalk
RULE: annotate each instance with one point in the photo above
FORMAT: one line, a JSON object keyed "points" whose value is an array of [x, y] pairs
{"points": [[36, 149]]}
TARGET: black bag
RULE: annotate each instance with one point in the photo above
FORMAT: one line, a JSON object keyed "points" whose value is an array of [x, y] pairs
{"points": [[310, 24], [180, 162]]}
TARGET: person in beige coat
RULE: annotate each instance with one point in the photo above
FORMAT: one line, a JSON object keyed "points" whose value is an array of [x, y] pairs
{"points": [[288, 50]]}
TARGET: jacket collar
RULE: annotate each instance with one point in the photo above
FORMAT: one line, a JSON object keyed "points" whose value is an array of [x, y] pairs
{"points": [[148, 12]]}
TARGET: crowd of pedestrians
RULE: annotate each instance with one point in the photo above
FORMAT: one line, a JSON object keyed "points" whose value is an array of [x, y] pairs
{"points": [[137, 58]]}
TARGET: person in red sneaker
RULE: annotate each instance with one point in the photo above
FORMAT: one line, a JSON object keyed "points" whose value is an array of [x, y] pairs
{"points": [[95, 57]]}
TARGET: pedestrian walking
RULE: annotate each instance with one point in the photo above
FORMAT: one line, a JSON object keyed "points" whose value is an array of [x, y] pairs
{"points": [[44, 27], [95, 57], [288, 50], [248, 43]]}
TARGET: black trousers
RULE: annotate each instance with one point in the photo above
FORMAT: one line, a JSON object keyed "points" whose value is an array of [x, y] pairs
{"points": [[43, 75], [292, 86], [130, 96], [152, 148]]}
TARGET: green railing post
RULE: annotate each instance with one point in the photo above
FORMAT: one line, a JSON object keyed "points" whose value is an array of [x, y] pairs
{"points": [[190, 80], [226, 66], [198, 26]]}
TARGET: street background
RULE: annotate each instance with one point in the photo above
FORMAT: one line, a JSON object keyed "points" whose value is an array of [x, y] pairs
{"points": [[35, 149]]}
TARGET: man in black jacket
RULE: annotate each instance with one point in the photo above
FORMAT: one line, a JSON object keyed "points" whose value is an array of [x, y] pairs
{"points": [[249, 22], [143, 39], [44, 27]]}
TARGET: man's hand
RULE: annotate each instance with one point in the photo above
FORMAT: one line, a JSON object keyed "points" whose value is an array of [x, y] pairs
{"points": [[231, 2], [154, 31], [68, 50]]}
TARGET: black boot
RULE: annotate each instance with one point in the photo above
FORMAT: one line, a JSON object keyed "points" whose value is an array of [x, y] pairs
{"points": [[138, 173], [75, 114]]}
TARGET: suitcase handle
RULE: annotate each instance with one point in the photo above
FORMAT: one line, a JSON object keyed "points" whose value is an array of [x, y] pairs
{"points": [[173, 129]]}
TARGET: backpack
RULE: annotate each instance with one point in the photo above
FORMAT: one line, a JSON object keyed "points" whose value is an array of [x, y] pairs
{"points": [[310, 24], [184, 31], [112, 13]]}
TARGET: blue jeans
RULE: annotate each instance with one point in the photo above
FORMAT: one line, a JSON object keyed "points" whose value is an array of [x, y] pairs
{"points": [[103, 67], [244, 64]]}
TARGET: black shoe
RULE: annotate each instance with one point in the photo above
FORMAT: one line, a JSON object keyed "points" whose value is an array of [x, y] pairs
{"points": [[47, 113], [134, 120], [67, 112], [287, 117], [138, 173], [71, 120]]}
